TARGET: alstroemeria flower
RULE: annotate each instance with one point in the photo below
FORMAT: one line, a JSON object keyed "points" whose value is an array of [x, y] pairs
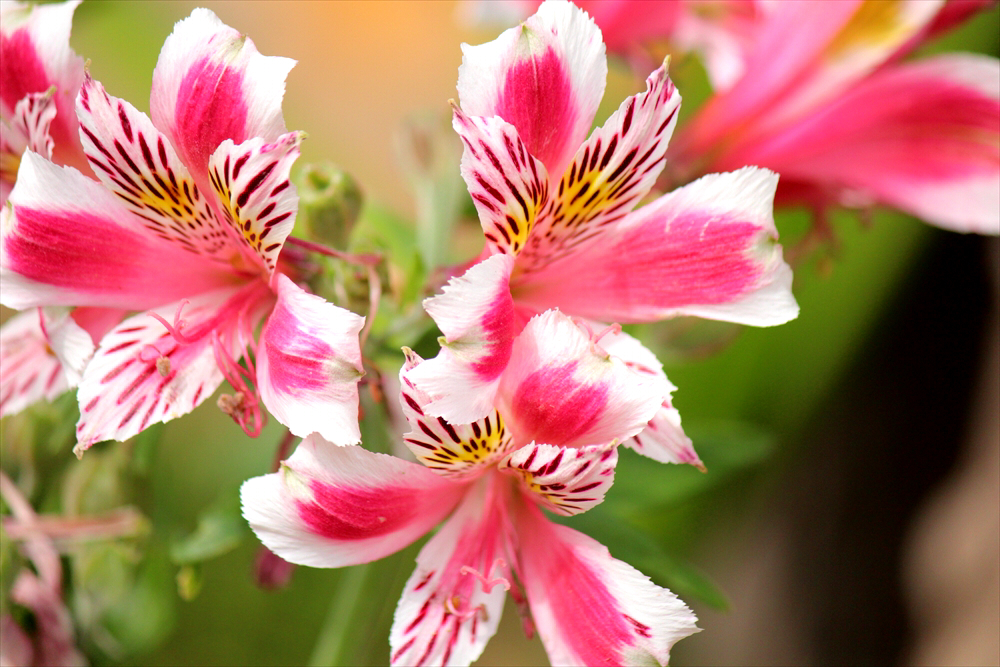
{"points": [[634, 29], [558, 219], [187, 223], [331, 507], [825, 102], [40, 76]]}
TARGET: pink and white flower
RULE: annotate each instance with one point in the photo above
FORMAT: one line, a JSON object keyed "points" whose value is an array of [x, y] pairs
{"points": [[187, 224], [40, 77], [331, 507], [635, 29], [825, 101], [558, 219]]}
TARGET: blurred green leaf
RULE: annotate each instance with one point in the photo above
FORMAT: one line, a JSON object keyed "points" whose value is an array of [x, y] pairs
{"points": [[220, 529], [725, 447], [96, 484], [145, 617], [144, 448]]}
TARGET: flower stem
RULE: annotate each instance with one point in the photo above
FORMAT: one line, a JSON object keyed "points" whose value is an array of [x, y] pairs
{"points": [[329, 649]]}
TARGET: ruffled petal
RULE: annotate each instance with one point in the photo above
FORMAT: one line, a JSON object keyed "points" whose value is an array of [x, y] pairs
{"points": [[210, 84], [143, 373], [452, 603], [136, 162], [562, 388], [35, 56], [65, 240], [333, 506], [509, 187], [453, 450], [257, 199], [705, 249], [591, 609], [309, 364], [565, 480], [663, 439], [476, 315], [29, 369], [34, 115], [920, 136], [609, 175], [28, 130], [544, 77]]}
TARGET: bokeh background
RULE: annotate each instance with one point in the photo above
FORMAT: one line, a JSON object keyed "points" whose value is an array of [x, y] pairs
{"points": [[849, 514]]}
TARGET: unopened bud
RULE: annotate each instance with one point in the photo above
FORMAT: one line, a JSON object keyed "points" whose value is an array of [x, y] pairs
{"points": [[329, 203], [272, 571]]}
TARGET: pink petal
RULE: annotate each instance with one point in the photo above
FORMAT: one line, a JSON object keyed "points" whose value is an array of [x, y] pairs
{"points": [[453, 450], [452, 603], [920, 136], [591, 609], [143, 374], [509, 187], [625, 23], [565, 480], [255, 195], [476, 315], [43, 352], [562, 388], [704, 249], [545, 77], [804, 53], [309, 364], [610, 173], [136, 162], [34, 56], [210, 84], [29, 369], [663, 439], [333, 506], [65, 240]]}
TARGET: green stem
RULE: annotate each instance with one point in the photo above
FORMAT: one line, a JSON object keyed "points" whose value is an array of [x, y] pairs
{"points": [[329, 649]]}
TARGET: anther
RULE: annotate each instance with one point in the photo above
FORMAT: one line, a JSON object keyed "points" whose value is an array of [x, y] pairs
{"points": [[232, 405]]}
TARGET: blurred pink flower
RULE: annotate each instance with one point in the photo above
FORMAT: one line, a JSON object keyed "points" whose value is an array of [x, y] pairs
{"points": [[825, 102]]}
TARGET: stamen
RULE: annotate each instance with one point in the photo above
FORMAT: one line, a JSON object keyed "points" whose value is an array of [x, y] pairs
{"points": [[244, 406], [368, 259], [488, 582], [453, 604], [595, 339], [176, 330], [614, 329]]}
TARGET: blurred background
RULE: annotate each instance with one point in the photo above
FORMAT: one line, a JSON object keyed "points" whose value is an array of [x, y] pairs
{"points": [[849, 514]]}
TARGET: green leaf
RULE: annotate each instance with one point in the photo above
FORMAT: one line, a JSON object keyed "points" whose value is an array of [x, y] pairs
{"points": [[726, 447], [220, 529], [146, 616]]}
